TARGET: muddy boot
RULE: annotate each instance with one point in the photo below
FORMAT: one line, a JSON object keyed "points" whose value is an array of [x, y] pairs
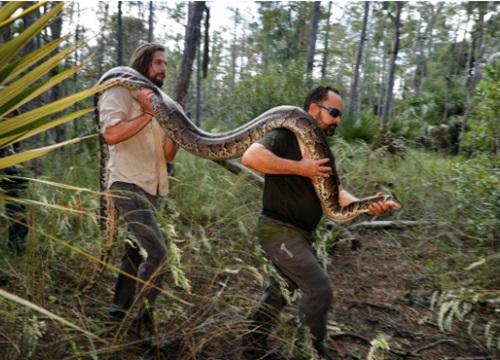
{"points": [[254, 344], [322, 350], [145, 320]]}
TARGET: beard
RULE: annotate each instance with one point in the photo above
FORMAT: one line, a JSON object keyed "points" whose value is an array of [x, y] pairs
{"points": [[158, 79], [158, 82], [330, 130]]}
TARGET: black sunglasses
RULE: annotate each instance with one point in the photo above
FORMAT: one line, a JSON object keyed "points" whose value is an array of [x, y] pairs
{"points": [[334, 112]]}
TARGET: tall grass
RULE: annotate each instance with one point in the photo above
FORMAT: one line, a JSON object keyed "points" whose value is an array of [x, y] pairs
{"points": [[209, 221], [209, 218]]}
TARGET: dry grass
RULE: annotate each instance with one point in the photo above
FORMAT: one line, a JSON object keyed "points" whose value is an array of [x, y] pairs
{"points": [[385, 289]]}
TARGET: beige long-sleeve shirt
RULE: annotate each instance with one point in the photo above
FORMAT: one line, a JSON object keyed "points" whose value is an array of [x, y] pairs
{"points": [[140, 159]]}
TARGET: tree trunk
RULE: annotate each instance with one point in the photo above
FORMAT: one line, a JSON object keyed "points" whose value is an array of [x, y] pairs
{"points": [[206, 43], [382, 82], [359, 57], [387, 110], [198, 86], [233, 50], [477, 53], [101, 38], [365, 73], [312, 38], [191, 42], [327, 37], [28, 20], [461, 51], [119, 47], [151, 24], [418, 58], [31, 46], [55, 92], [449, 78], [429, 47]]}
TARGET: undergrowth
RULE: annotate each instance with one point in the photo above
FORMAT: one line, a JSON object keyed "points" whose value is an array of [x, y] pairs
{"points": [[216, 271]]}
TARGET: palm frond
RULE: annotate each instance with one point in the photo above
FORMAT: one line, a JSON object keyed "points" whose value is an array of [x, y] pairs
{"points": [[31, 154], [11, 7], [18, 66], [18, 93], [11, 48]]}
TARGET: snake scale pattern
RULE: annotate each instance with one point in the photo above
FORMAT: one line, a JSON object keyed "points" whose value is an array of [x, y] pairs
{"points": [[229, 145]]}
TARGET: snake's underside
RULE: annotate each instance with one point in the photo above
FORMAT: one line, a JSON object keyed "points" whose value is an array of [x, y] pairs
{"points": [[232, 144]]}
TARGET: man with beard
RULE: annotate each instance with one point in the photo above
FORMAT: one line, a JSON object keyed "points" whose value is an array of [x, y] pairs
{"points": [[291, 211], [139, 152]]}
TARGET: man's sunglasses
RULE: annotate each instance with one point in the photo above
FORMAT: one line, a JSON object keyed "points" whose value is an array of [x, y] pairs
{"points": [[334, 112]]}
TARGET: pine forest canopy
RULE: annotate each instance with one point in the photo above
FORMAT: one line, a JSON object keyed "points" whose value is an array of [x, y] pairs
{"points": [[423, 79], [407, 68]]}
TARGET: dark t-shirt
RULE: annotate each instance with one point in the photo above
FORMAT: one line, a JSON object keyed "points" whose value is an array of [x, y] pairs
{"points": [[290, 198]]}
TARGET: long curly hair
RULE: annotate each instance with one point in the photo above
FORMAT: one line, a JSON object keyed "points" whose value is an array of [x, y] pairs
{"points": [[143, 56]]}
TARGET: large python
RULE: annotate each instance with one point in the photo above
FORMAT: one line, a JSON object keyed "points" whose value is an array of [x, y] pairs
{"points": [[232, 144]]}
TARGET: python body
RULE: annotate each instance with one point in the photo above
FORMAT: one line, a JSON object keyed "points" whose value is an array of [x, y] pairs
{"points": [[232, 144]]}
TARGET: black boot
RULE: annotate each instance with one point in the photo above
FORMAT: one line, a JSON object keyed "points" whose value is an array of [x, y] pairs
{"points": [[145, 319], [254, 343], [321, 350]]}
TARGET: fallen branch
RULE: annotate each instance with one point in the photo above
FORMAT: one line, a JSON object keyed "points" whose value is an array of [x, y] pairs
{"points": [[350, 335], [381, 306], [404, 354], [418, 352], [475, 358], [237, 168], [380, 224]]}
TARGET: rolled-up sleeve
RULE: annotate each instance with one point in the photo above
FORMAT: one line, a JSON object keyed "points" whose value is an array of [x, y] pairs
{"points": [[114, 107]]}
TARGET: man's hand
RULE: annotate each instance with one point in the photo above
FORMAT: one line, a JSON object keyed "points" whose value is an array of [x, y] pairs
{"points": [[379, 207], [261, 159], [313, 168], [126, 129], [144, 97]]}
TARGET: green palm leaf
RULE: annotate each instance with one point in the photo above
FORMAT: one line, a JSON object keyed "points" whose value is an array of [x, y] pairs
{"points": [[25, 78], [24, 83], [31, 154], [11, 7], [19, 66], [10, 49], [36, 121], [19, 92]]}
